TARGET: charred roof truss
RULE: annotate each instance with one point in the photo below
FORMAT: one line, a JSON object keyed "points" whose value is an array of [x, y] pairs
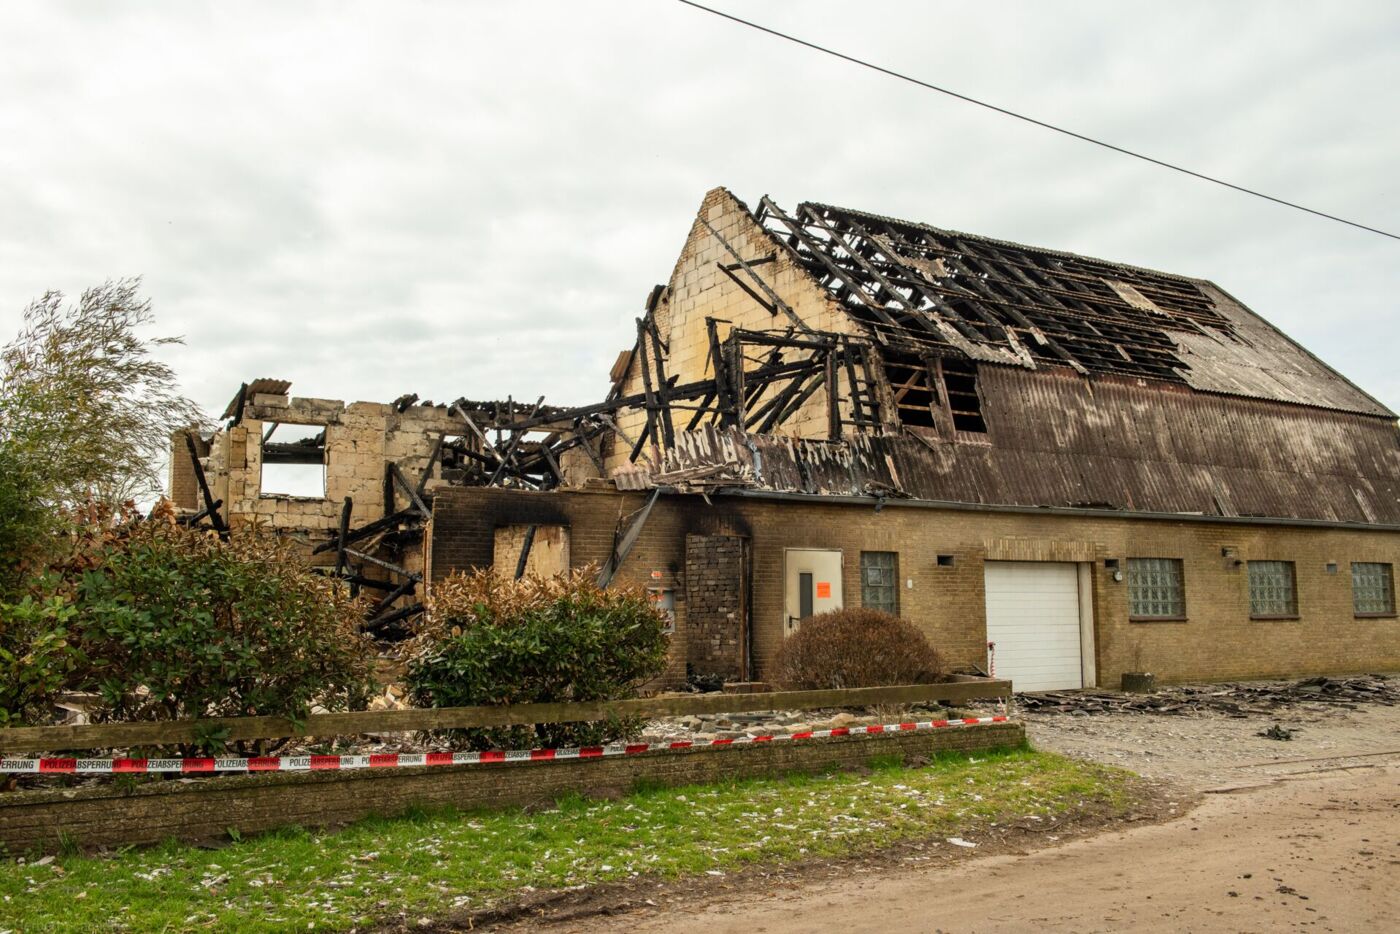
{"points": [[989, 300]]}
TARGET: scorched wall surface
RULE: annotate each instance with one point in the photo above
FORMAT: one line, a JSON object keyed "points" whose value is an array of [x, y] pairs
{"points": [[1216, 640]]}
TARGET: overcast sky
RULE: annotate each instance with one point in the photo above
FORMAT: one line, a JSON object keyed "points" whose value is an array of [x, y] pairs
{"points": [[474, 199]]}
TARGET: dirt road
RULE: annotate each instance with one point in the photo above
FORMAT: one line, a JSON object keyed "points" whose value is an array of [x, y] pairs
{"points": [[1300, 835], [1320, 852]]}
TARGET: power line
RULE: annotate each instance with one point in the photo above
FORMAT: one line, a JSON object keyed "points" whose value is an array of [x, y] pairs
{"points": [[1032, 120]]}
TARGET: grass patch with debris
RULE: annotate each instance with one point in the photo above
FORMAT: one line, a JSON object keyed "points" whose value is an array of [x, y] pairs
{"points": [[428, 864]]}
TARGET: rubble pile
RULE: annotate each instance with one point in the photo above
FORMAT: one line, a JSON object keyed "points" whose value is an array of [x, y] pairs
{"points": [[1240, 699]]}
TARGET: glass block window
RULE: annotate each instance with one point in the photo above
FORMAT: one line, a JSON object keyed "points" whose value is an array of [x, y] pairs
{"points": [[879, 581], [1156, 589], [1273, 589], [1372, 589]]}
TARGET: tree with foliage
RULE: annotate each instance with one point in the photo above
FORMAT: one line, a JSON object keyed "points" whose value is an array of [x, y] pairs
{"points": [[86, 412], [86, 407]]}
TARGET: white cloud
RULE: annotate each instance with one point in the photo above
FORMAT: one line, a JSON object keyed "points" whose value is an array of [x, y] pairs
{"points": [[473, 199]]}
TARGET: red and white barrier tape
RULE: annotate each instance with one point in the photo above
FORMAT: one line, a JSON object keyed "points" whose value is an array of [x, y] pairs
{"points": [[57, 766]]}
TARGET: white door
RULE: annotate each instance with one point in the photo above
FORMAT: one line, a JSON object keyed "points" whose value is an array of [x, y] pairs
{"points": [[813, 585], [1033, 617]]}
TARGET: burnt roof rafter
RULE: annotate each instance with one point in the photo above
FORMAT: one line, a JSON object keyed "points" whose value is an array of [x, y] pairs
{"points": [[992, 300]]}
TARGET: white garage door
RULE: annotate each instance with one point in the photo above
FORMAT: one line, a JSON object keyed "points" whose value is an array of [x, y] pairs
{"points": [[1033, 617]]}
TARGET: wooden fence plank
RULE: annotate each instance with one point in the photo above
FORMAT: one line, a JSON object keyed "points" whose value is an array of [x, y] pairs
{"points": [[124, 735]]}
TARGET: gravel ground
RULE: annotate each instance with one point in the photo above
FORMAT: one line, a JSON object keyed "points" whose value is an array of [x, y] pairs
{"points": [[1205, 750]]}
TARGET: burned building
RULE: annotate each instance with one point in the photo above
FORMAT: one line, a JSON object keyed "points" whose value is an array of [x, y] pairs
{"points": [[1060, 466]]}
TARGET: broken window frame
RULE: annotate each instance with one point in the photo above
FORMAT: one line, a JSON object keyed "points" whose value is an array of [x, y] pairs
{"points": [[916, 393], [292, 453], [962, 396]]}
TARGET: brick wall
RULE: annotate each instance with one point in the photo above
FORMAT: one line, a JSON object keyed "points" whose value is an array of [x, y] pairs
{"points": [[714, 599], [108, 815], [184, 488], [1217, 640], [698, 289]]}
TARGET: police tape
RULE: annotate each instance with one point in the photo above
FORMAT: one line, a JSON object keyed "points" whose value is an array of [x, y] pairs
{"points": [[399, 760]]}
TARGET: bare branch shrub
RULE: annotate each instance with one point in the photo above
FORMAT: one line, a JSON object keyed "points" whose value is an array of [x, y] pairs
{"points": [[855, 648]]}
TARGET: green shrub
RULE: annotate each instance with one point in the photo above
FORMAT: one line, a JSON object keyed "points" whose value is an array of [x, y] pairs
{"points": [[175, 623], [497, 641], [855, 648], [36, 657]]}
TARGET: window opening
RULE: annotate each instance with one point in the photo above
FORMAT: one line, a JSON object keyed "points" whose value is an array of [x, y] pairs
{"points": [[1156, 588], [960, 385], [1273, 589], [913, 387], [454, 463], [294, 460], [879, 581], [1372, 588], [804, 594]]}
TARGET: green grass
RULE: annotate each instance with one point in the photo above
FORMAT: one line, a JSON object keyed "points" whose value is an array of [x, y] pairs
{"points": [[430, 863]]}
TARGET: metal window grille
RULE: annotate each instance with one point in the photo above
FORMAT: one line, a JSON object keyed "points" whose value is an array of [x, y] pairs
{"points": [[879, 581], [1156, 588], [1273, 589], [1373, 588]]}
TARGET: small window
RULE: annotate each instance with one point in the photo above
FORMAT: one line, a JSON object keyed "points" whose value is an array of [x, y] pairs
{"points": [[912, 388], [1273, 590], [879, 581], [1372, 588], [1156, 588], [960, 387], [294, 462]]}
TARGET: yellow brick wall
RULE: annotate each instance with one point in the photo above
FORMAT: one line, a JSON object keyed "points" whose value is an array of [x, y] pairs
{"points": [[1218, 640], [360, 439], [698, 289]]}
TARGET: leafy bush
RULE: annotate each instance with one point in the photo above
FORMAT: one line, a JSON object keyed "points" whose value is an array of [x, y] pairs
{"points": [[855, 648], [36, 658], [497, 641], [175, 624]]}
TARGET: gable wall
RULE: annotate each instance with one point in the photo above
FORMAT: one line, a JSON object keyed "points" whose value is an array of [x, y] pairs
{"points": [[698, 289]]}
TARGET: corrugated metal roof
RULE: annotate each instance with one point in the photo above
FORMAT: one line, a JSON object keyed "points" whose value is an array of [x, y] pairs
{"points": [[1059, 440], [263, 384], [1000, 302]]}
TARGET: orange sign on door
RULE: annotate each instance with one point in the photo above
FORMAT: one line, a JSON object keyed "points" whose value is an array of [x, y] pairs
{"points": [[823, 590]]}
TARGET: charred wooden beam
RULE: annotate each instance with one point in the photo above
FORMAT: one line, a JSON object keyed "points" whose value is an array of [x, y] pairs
{"points": [[388, 600], [758, 280], [426, 474], [516, 436], [365, 531], [396, 616], [386, 565], [211, 506], [342, 536], [525, 546], [667, 427], [409, 491]]}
